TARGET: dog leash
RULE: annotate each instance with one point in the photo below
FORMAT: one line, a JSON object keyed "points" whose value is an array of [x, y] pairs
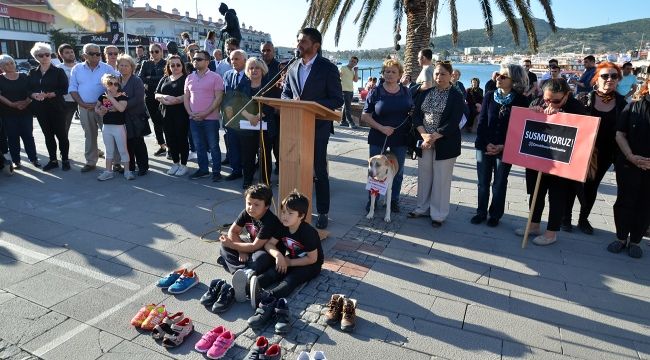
{"points": [[383, 148]]}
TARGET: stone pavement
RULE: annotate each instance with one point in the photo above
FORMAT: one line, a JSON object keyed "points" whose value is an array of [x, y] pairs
{"points": [[79, 257]]}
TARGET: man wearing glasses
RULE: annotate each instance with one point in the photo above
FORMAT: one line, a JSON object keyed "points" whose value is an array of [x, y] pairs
{"points": [[203, 94], [85, 88], [531, 92]]}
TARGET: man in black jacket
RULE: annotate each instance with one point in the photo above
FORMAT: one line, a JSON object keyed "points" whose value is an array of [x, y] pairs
{"points": [[315, 78]]}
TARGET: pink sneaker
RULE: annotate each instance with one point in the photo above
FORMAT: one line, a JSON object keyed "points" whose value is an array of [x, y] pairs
{"points": [[208, 339], [221, 345]]}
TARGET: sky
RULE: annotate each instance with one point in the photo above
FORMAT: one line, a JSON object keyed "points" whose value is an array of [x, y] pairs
{"points": [[282, 18]]}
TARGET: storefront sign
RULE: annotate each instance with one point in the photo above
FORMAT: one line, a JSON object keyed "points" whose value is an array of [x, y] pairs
{"points": [[559, 144], [114, 39]]}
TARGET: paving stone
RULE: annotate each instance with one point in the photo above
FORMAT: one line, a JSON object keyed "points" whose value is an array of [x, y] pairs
{"points": [[533, 285], [339, 345], [128, 351], [47, 289], [596, 346], [92, 244], [503, 325], [196, 250], [153, 262], [643, 349], [520, 351], [470, 293], [27, 249], [28, 320], [72, 340], [18, 271], [408, 302], [10, 351]]}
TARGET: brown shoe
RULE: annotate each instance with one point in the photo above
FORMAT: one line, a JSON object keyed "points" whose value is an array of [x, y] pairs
{"points": [[349, 316], [335, 310]]}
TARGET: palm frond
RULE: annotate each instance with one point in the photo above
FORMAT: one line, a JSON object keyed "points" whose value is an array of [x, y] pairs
{"points": [[345, 9], [328, 14], [433, 6], [506, 8], [310, 18], [546, 4], [368, 15], [398, 13], [363, 5], [454, 22], [487, 17], [529, 24]]}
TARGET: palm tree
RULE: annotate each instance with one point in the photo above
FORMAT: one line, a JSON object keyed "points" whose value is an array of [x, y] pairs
{"points": [[421, 19]]}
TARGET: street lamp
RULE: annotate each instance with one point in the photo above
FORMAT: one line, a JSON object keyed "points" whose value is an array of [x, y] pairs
{"points": [[126, 38]]}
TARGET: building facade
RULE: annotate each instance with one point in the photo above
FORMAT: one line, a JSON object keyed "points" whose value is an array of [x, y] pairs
{"points": [[20, 28]]}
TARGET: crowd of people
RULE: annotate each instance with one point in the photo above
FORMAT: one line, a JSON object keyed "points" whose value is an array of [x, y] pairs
{"points": [[190, 96]]}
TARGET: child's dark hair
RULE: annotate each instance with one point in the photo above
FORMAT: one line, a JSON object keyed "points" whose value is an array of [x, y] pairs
{"points": [[296, 202], [260, 192]]}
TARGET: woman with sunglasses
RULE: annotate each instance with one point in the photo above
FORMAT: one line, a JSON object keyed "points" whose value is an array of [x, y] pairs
{"points": [[493, 121], [110, 54], [47, 85], [437, 115], [632, 206], [150, 73], [170, 95], [556, 97], [607, 104]]}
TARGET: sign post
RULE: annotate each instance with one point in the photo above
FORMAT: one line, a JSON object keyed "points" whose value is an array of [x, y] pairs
{"points": [[560, 144]]}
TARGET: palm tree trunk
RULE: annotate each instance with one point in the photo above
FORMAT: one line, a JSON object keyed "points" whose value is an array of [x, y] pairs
{"points": [[418, 34]]}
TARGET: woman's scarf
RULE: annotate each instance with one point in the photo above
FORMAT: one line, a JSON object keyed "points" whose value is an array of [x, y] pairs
{"points": [[501, 99]]}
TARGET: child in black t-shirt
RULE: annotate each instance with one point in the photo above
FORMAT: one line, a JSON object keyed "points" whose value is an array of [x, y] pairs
{"points": [[237, 252], [298, 252], [111, 106]]}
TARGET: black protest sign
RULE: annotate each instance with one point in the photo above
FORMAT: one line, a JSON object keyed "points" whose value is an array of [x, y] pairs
{"points": [[549, 141]]}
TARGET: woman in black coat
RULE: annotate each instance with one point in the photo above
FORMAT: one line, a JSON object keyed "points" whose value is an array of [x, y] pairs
{"points": [[47, 85], [150, 73], [137, 123], [437, 114]]}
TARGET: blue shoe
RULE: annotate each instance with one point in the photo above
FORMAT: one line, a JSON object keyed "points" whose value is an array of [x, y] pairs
{"points": [[184, 283], [170, 279]]}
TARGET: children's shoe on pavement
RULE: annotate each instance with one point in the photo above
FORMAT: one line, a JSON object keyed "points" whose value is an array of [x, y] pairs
{"points": [[180, 331], [260, 347], [240, 281], [254, 291], [225, 300], [170, 278], [211, 296], [165, 327], [335, 309], [274, 352], [348, 321], [264, 313], [221, 345], [188, 280], [208, 339], [283, 317], [303, 356], [318, 355], [154, 318], [142, 314], [542, 240]]}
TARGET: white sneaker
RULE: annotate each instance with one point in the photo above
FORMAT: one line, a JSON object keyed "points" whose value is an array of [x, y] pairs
{"points": [[129, 175], [192, 155], [543, 240], [106, 175], [182, 170], [303, 356], [318, 355], [173, 169]]}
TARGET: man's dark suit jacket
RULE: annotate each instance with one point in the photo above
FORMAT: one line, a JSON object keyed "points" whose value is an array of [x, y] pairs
{"points": [[323, 86]]}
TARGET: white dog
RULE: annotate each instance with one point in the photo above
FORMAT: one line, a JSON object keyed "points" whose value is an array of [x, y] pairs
{"points": [[382, 168]]}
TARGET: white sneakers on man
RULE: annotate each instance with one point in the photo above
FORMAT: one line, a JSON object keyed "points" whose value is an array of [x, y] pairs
{"points": [[182, 170], [173, 169]]}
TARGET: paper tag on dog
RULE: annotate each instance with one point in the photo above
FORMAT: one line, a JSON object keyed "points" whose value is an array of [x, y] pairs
{"points": [[376, 186]]}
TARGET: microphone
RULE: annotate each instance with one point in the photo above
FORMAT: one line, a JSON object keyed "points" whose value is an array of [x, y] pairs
{"points": [[296, 53]]}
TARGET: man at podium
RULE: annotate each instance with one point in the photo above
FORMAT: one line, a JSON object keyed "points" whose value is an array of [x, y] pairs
{"points": [[315, 78]]}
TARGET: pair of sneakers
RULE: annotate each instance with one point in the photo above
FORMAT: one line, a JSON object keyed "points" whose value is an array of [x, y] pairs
{"points": [[343, 309], [179, 281], [315, 355], [216, 342], [219, 297], [263, 351], [173, 330], [241, 281], [149, 316], [269, 309], [177, 170]]}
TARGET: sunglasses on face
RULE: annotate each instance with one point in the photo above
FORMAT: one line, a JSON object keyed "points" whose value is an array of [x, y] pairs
{"points": [[111, 83], [554, 101], [503, 77], [93, 54], [111, 54], [443, 62], [154, 51], [174, 65], [606, 77], [197, 59], [43, 55]]}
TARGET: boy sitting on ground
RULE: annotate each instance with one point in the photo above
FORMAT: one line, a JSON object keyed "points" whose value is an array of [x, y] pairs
{"points": [[237, 252]]}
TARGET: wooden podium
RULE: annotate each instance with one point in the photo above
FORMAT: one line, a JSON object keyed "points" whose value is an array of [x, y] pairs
{"points": [[297, 131]]}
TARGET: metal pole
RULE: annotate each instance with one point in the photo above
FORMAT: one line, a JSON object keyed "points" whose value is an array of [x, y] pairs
{"points": [[126, 38]]}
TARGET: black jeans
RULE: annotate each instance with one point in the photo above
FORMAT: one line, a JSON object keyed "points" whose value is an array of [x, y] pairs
{"points": [[322, 184], [632, 206], [19, 127], [588, 192], [156, 118], [287, 283], [4, 145], [53, 125], [346, 114], [137, 153], [176, 130], [70, 109], [259, 261], [250, 146], [557, 189]]}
